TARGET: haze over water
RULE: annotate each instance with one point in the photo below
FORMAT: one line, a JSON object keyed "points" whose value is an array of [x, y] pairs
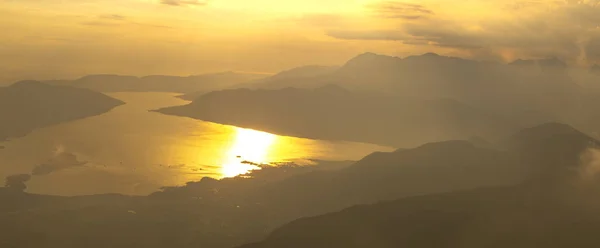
{"points": [[133, 151]]}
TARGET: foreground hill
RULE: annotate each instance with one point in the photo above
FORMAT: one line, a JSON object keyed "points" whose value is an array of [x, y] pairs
{"points": [[556, 206], [334, 113], [28, 105], [160, 83], [496, 217]]}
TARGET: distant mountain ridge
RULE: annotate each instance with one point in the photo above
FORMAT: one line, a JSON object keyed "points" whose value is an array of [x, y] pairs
{"points": [[27, 105], [160, 83], [302, 75], [517, 94]]}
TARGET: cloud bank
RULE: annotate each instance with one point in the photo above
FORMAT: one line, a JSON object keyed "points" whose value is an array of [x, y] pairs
{"points": [[568, 30]]}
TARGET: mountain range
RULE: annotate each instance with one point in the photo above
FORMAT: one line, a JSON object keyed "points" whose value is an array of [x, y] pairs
{"points": [[160, 83], [304, 75], [406, 101]]}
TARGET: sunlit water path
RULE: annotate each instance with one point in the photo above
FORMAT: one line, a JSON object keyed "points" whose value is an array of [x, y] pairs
{"points": [[133, 151]]}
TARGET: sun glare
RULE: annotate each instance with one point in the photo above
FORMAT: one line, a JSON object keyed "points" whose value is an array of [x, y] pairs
{"points": [[248, 145]]}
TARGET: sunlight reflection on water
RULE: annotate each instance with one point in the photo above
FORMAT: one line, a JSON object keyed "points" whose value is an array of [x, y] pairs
{"points": [[133, 151], [248, 145]]}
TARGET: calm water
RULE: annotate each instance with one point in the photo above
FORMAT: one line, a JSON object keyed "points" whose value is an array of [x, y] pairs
{"points": [[132, 151]]}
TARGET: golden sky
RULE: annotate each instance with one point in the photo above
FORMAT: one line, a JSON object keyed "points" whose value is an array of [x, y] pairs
{"points": [[43, 39]]}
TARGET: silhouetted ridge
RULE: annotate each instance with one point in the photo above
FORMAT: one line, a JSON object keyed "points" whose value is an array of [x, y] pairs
{"points": [[302, 72], [31, 84], [334, 113], [160, 83], [106, 77], [522, 62], [431, 55], [436, 58], [369, 60], [31, 104], [445, 145]]}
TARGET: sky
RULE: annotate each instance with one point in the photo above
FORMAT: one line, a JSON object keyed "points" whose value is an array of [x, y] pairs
{"points": [[55, 39]]}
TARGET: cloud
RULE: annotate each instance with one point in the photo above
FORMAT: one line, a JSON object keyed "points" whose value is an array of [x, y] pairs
{"points": [[101, 24], [60, 162], [113, 17], [17, 182], [183, 2], [110, 20], [401, 10], [114, 20], [368, 35], [589, 169], [570, 31]]}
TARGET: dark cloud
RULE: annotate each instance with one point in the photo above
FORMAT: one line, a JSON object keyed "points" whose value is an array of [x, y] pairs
{"points": [[183, 2], [401, 10], [17, 182], [61, 161]]}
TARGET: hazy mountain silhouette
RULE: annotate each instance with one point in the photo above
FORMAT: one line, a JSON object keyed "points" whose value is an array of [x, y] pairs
{"points": [[160, 83], [302, 72], [486, 85], [27, 105], [299, 76], [483, 93], [333, 113], [562, 212], [501, 88]]}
